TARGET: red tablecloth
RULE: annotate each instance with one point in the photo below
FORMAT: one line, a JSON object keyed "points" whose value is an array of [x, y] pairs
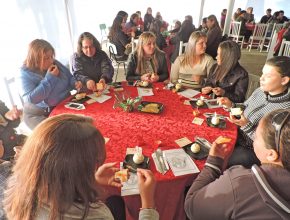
{"points": [[142, 129]]}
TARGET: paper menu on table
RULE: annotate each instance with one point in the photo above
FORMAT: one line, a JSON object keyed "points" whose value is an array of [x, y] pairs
{"points": [[99, 99], [131, 186], [145, 91], [180, 162], [189, 93]]}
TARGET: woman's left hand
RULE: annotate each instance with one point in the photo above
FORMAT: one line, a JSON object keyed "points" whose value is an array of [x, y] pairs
{"points": [[105, 175], [154, 77], [103, 81], [218, 91], [240, 122]]}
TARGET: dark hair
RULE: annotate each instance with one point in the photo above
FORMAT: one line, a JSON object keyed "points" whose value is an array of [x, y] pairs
{"points": [[189, 17], [268, 135], [56, 167], [122, 14], [185, 30], [116, 27], [87, 35], [230, 55], [243, 12], [281, 64], [213, 18], [155, 27], [269, 9], [133, 16], [281, 11]]}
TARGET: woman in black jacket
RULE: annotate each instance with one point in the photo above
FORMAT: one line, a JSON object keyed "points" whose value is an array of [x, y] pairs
{"points": [[147, 63], [228, 78]]}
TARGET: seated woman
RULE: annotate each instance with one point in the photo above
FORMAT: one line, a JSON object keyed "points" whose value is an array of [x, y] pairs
{"points": [[9, 120], [240, 193], [132, 25], [194, 65], [183, 35], [155, 28], [147, 63], [90, 64], [228, 78], [274, 93], [214, 36], [45, 82], [176, 28], [118, 37], [57, 179]]}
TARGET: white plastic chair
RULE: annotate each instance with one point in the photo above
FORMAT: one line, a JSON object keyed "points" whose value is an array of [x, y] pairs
{"points": [[104, 36], [284, 49], [181, 46], [258, 37], [234, 32], [272, 45]]}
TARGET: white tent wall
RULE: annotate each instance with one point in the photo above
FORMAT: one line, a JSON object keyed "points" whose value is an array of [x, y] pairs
{"points": [[61, 22]]}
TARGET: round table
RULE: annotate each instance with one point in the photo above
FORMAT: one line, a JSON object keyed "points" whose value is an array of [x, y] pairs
{"points": [[142, 129]]}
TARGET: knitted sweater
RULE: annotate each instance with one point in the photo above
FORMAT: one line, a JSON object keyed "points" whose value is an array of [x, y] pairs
{"points": [[258, 105]]}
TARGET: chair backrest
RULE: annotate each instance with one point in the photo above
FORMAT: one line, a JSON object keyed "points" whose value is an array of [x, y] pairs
{"points": [[103, 27], [278, 27], [260, 31], [12, 91], [181, 46], [272, 45], [285, 48], [235, 29], [112, 48], [254, 83]]}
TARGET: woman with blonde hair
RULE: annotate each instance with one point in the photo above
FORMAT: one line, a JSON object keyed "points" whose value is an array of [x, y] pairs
{"points": [[228, 78], [194, 65], [147, 62], [45, 82], [60, 172]]}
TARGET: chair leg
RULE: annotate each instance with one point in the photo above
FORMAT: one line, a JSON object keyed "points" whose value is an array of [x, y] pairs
{"points": [[124, 69], [116, 77]]}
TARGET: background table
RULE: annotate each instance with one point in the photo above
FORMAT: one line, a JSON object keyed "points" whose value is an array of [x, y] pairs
{"points": [[142, 129]]}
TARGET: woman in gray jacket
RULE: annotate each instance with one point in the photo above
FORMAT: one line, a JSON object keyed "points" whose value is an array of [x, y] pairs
{"points": [[240, 193]]}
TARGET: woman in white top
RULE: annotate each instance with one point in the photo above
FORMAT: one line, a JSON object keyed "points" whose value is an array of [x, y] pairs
{"points": [[194, 65]]}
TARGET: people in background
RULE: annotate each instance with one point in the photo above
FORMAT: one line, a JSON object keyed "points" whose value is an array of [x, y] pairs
{"points": [[183, 35], [164, 24], [148, 19], [45, 82], [155, 28], [194, 65], [140, 21], [223, 18], [227, 77], [132, 25], [274, 93], [238, 193], [123, 15], [236, 14], [282, 18], [284, 33], [176, 28], [46, 181], [9, 120], [118, 37], [275, 18], [189, 17], [90, 64], [266, 17], [214, 36], [244, 31], [148, 62], [203, 27], [249, 16]]}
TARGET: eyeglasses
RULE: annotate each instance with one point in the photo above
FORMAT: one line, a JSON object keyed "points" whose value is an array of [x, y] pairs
{"points": [[278, 122], [88, 47]]}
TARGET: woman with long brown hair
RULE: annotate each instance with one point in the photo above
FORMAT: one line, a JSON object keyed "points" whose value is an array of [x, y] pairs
{"points": [[228, 78], [59, 174]]}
